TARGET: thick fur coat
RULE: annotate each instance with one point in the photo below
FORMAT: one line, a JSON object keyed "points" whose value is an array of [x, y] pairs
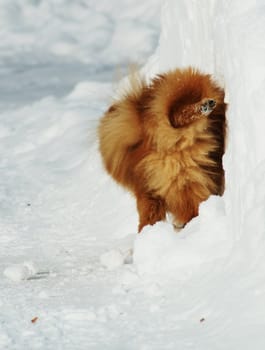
{"points": [[164, 142]]}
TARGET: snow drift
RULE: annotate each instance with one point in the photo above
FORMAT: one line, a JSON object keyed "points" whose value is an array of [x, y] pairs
{"points": [[206, 36]]}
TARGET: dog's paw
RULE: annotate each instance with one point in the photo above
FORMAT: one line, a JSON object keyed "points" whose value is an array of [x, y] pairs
{"points": [[178, 226], [207, 105]]}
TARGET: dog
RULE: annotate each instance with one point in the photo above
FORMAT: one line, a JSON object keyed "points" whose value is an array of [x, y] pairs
{"points": [[164, 141]]}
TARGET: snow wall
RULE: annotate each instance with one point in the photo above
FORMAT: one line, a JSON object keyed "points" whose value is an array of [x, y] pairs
{"points": [[224, 38]]}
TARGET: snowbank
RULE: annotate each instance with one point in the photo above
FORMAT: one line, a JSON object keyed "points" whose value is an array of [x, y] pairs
{"points": [[225, 40], [165, 254]]}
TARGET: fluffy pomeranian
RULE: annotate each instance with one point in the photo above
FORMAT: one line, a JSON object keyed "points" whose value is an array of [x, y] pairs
{"points": [[164, 142]]}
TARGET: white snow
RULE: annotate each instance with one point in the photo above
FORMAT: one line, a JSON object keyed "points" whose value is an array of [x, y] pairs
{"points": [[20, 271], [112, 259], [70, 254]]}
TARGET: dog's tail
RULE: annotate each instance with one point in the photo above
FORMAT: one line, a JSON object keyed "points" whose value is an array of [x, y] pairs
{"points": [[120, 130]]}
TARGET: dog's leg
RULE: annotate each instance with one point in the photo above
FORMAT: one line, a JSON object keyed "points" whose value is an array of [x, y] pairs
{"points": [[206, 106], [192, 112], [150, 210], [183, 203]]}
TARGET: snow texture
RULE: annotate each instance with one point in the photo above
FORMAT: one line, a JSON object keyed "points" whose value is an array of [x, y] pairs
{"points": [[75, 275]]}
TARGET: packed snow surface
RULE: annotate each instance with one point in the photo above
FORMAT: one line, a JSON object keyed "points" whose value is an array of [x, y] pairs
{"points": [[74, 273]]}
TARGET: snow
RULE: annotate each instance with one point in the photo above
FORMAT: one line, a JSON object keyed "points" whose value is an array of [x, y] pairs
{"points": [[20, 271], [180, 255], [112, 259], [70, 256]]}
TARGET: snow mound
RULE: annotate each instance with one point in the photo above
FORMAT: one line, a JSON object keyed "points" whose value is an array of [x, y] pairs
{"points": [[161, 251]]}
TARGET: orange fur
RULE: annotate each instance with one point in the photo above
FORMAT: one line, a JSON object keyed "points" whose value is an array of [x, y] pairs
{"points": [[158, 142]]}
